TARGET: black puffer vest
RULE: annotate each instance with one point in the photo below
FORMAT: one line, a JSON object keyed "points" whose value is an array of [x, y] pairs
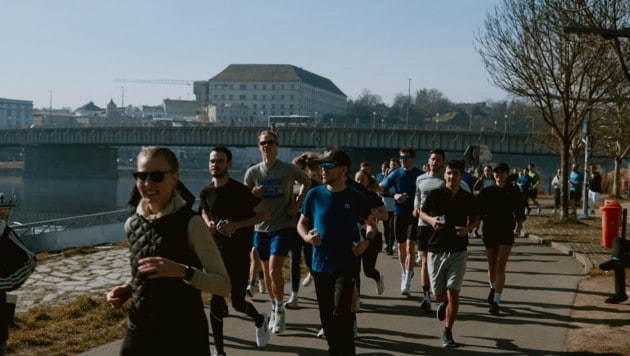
{"points": [[163, 301]]}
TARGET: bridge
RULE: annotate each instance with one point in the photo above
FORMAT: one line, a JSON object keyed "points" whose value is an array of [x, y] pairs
{"points": [[93, 150]]}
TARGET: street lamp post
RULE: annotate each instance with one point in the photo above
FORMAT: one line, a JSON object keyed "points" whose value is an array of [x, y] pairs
{"points": [[373, 120], [585, 188]]}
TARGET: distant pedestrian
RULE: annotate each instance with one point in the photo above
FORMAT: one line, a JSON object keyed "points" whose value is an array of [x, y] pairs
{"points": [[501, 207], [594, 188], [576, 179], [230, 211], [173, 258], [555, 184], [525, 183], [390, 206], [452, 212], [536, 184]]}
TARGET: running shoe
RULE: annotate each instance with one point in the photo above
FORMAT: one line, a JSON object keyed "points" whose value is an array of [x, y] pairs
{"points": [[441, 311], [447, 339], [380, 284], [491, 296], [292, 303], [278, 326], [250, 291], [425, 303], [307, 280], [261, 287], [616, 299], [321, 333], [262, 332], [494, 309]]}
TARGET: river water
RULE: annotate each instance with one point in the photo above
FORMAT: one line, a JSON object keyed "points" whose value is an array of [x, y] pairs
{"points": [[48, 199]]}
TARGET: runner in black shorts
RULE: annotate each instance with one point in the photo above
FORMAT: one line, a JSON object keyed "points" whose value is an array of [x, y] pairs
{"points": [[501, 209], [403, 180]]}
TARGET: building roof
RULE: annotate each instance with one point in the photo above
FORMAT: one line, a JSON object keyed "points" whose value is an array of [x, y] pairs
{"points": [[274, 73], [88, 107]]}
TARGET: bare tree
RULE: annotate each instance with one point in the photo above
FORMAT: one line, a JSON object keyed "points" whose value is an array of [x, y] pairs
{"points": [[526, 52]]}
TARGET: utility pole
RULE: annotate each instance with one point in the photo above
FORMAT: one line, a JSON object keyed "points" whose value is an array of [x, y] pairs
{"points": [[408, 101], [122, 100]]}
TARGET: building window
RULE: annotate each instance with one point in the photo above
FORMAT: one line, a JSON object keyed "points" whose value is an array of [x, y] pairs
{"points": [[264, 97], [243, 97], [255, 86], [264, 86], [273, 97], [264, 106], [243, 87], [273, 87], [254, 97]]}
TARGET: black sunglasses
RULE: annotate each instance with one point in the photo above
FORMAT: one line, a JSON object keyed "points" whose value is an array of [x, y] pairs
{"points": [[266, 143], [156, 177]]}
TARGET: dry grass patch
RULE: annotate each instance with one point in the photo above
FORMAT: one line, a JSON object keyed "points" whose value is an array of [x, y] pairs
{"points": [[67, 330]]}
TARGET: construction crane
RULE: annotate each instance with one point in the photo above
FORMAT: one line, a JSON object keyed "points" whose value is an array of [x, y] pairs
{"points": [[156, 81], [201, 101]]}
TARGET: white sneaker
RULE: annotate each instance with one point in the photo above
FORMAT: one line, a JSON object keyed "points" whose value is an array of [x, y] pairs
{"points": [[262, 332], [380, 285], [320, 333], [278, 326], [250, 291], [292, 303], [272, 320], [261, 287], [418, 259], [307, 280]]}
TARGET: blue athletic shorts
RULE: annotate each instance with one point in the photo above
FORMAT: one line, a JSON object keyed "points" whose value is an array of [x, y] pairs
{"points": [[274, 243]]}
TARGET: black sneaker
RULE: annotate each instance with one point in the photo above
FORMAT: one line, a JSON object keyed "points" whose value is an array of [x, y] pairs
{"points": [[494, 309], [441, 311], [447, 339], [491, 296], [610, 264], [616, 299]]}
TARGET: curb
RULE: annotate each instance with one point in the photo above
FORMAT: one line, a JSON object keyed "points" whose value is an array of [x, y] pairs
{"points": [[565, 249]]}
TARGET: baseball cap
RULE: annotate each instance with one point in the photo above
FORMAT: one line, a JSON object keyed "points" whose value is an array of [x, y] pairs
{"points": [[335, 155]]}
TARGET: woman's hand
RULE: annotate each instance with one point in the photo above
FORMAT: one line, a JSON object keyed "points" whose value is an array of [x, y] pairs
{"points": [[159, 267]]}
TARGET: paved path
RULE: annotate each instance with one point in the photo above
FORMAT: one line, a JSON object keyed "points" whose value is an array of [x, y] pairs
{"points": [[541, 286]]}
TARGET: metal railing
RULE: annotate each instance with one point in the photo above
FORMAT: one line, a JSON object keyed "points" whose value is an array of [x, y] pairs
{"points": [[71, 223]]}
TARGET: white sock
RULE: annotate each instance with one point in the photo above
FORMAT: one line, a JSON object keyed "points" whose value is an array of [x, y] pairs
{"points": [[402, 268], [497, 297], [492, 285]]}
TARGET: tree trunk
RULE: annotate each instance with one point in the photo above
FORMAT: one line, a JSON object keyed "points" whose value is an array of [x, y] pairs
{"points": [[616, 188]]}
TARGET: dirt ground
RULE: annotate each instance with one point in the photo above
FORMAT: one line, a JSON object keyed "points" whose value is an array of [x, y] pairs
{"points": [[597, 327]]}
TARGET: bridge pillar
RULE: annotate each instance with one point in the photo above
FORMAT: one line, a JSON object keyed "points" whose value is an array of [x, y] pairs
{"points": [[66, 161]]}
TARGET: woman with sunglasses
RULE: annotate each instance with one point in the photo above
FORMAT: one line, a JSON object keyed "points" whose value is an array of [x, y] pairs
{"points": [[173, 258]]}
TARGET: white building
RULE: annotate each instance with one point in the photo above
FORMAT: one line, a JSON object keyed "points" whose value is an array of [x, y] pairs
{"points": [[15, 113], [257, 91]]}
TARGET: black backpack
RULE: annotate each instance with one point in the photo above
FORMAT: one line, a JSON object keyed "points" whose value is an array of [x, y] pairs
{"points": [[17, 262]]}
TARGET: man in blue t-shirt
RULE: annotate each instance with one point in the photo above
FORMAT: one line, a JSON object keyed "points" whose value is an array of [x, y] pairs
{"points": [[403, 180], [333, 209]]}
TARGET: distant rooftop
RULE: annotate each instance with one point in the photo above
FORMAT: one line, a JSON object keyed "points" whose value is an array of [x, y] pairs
{"points": [[274, 72]]}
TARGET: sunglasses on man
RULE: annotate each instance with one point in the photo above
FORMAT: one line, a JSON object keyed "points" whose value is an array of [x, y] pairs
{"points": [[156, 176], [328, 165]]}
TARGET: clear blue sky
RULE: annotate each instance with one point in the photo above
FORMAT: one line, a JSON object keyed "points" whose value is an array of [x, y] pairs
{"points": [[75, 49]]}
